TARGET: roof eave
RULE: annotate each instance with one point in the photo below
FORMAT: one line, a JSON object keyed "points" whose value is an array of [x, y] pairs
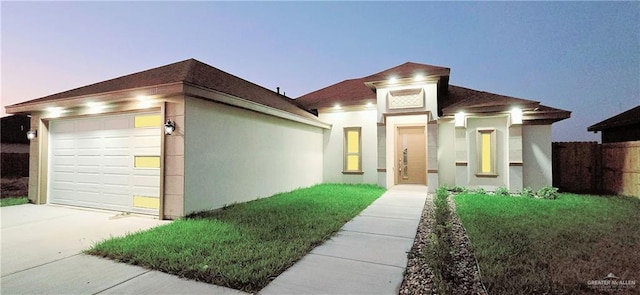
{"points": [[155, 91]]}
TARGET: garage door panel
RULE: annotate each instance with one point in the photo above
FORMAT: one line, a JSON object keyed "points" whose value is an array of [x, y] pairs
{"points": [[146, 191], [92, 163], [117, 190], [115, 179], [119, 123], [115, 151], [117, 161], [88, 143], [89, 178], [67, 176], [64, 160], [64, 152], [62, 127], [89, 125], [145, 180], [146, 172], [147, 141], [95, 152], [63, 144], [145, 151], [122, 142]]}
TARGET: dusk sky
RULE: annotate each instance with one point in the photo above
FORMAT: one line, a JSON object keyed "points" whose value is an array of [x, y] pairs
{"points": [[579, 56]]}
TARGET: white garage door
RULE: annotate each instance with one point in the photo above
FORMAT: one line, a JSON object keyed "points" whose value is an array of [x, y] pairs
{"points": [[106, 162]]}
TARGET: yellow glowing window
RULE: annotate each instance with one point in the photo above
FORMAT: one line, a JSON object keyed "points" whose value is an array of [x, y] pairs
{"points": [[352, 150], [147, 162], [142, 121], [486, 152], [146, 202]]}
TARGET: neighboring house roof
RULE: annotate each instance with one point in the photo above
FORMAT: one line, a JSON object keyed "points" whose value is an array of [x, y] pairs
{"points": [[354, 91], [14, 129], [191, 72], [626, 118], [454, 98]]}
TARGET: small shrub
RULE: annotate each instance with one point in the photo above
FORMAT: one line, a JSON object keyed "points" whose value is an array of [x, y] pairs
{"points": [[502, 192], [527, 192], [480, 191], [458, 189], [442, 192], [439, 250], [548, 192]]}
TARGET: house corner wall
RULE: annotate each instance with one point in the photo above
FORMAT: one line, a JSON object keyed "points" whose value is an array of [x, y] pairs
{"points": [[446, 158], [174, 152], [38, 162], [382, 155], [536, 154], [515, 158], [433, 179]]}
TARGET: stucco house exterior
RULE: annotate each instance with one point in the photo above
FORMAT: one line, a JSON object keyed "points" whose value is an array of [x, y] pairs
{"points": [[410, 126], [187, 137]]}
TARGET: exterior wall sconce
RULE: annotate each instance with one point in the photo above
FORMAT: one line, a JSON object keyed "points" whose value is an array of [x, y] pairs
{"points": [[31, 134], [516, 116], [460, 119], [169, 127]]}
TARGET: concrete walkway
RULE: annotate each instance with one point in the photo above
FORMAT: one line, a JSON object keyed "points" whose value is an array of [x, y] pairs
{"points": [[369, 254]]}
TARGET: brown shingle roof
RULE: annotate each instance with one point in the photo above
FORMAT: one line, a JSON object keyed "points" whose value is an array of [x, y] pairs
{"points": [[470, 100], [456, 98], [354, 91], [191, 72], [408, 70], [629, 117]]}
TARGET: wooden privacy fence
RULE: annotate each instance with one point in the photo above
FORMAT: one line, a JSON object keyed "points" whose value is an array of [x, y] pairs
{"points": [[591, 167], [14, 164]]}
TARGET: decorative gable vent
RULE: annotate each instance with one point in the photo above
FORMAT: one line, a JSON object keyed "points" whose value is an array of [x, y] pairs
{"points": [[406, 99]]}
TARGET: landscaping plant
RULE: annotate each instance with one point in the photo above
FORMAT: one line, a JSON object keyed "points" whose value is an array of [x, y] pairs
{"points": [[438, 253], [502, 192]]}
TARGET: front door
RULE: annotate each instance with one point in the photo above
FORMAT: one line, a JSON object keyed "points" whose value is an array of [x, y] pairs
{"points": [[411, 155]]}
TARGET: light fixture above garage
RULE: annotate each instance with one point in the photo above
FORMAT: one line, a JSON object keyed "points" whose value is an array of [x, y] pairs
{"points": [[31, 134], [460, 119], [169, 127], [516, 116]]}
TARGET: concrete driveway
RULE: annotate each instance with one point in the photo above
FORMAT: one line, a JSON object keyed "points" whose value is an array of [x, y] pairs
{"points": [[41, 253], [34, 235]]}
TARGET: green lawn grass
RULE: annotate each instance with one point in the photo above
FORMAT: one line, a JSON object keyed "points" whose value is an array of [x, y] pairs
{"points": [[13, 201], [245, 245], [533, 246]]}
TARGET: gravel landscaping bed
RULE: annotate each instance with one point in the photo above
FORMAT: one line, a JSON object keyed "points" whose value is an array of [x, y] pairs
{"points": [[419, 277]]}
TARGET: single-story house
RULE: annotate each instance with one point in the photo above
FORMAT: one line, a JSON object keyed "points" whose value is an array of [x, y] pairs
{"points": [[621, 127], [188, 137]]}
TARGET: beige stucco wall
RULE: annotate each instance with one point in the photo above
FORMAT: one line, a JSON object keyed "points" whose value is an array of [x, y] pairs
{"points": [[536, 154], [173, 177], [334, 145], [446, 156], [234, 155], [502, 152]]}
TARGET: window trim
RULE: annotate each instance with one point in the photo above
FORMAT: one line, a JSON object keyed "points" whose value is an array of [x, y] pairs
{"points": [[493, 172], [346, 154]]}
